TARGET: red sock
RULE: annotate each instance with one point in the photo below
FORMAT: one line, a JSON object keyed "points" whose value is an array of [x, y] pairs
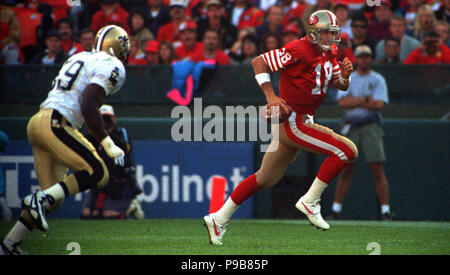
{"points": [[330, 168], [244, 190]]}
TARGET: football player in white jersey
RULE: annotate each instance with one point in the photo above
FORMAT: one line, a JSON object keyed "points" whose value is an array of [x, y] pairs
{"points": [[78, 91]]}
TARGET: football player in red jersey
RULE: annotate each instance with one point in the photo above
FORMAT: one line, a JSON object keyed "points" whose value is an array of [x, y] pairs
{"points": [[307, 67]]}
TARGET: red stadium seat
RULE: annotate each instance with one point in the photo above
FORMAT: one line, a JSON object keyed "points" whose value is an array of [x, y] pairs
{"points": [[28, 19]]}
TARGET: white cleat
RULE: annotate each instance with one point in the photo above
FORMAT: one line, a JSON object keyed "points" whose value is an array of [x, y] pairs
{"points": [[36, 204], [312, 212], [215, 230], [136, 210]]}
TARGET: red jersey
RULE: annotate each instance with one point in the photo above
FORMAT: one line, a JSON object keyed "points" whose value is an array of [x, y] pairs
{"points": [[418, 56], [305, 74], [183, 52], [221, 58]]}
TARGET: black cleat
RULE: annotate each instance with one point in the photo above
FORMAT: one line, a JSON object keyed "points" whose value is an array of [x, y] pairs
{"points": [[14, 250], [386, 217]]}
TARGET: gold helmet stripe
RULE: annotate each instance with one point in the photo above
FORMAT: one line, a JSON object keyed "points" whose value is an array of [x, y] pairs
{"points": [[98, 46]]}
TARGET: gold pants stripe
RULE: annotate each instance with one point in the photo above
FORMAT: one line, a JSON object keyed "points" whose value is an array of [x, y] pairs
{"points": [[58, 147]]}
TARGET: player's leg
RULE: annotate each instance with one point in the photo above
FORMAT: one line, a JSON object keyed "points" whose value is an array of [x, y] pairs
{"points": [[48, 172], [319, 139], [67, 146], [273, 166]]}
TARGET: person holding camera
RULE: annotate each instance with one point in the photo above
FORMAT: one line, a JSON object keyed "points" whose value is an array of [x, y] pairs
{"points": [[118, 198]]}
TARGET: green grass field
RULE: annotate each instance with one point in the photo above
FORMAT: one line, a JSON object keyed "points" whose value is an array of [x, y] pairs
{"points": [[244, 237]]}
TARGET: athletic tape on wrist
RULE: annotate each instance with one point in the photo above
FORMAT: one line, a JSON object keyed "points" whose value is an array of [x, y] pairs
{"points": [[262, 78]]}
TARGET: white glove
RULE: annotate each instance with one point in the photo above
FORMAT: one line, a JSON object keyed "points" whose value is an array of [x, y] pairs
{"points": [[113, 151]]}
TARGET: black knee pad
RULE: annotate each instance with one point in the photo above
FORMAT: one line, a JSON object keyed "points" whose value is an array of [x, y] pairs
{"points": [[87, 181]]}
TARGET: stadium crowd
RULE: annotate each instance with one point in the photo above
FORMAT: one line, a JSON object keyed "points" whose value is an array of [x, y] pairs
{"points": [[229, 32]]}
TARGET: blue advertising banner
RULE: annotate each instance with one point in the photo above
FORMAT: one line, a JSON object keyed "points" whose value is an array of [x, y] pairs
{"points": [[176, 177]]}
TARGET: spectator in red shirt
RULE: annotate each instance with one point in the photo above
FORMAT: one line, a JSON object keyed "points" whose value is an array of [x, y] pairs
{"points": [[432, 51], [211, 49], [137, 56], [87, 37], [152, 52], [171, 31], [243, 14], [70, 47], [290, 32], [190, 46], [345, 49], [379, 27], [111, 12], [292, 12]]}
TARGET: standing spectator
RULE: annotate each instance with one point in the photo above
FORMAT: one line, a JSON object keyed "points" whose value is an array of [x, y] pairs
{"points": [[362, 102], [137, 56], [249, 50], [216, 21], [167, 53], [273, 22], [443, 12], [443, 29], [87, 37], [9, 36], [152, 52], [171, 31], [189, 44], [270, 41], [360, 27], [211, 49], [114, 200], [53, 53], [243, 14], [343, 14], [138, 28], [391, 51], [111, 11], [157, 14], [6, 214], [425, 22], [65, 28], [409, 12], [407, 43], [431, 51], [290, 32], [379, 26]]}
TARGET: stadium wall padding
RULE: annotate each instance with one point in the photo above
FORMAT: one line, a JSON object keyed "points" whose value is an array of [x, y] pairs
{"points": [[417, 169]]}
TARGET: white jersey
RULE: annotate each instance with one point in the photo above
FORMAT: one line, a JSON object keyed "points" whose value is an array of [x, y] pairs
{"points": [[77, 72]]}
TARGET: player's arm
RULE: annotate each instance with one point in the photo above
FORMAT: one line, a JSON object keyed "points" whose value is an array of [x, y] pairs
{"points": [[93, 97], [262, 75]]}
